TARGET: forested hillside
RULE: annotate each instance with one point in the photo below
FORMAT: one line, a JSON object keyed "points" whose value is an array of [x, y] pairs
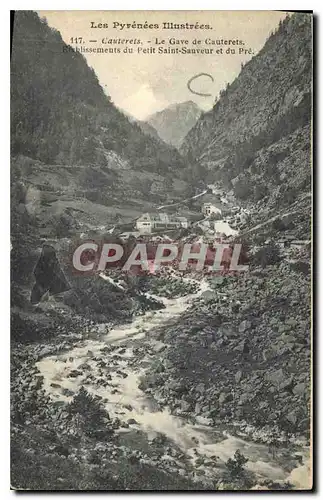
{"points": [[256, 139], [78, 163], [60, 113]]}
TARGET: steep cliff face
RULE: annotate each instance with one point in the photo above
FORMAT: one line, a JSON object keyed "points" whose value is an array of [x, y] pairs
{"points": [[256, 142], [174, 122], [145, 127], [78, 163], [256, 139], [60, 113], [148, 130], [72, 146]]}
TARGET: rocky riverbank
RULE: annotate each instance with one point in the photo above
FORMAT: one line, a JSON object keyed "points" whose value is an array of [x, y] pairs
{"points": [[63, 442], [147, 427], [241, 352]]}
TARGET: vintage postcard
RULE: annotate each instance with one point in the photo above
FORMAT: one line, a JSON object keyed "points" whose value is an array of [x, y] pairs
{"points": [[161, 200]]}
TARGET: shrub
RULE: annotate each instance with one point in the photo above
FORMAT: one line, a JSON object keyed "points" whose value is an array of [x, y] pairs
{"points": [[62, 225], [301, 266], [242, 190], [260, 191], [289, 196], [90, 412], [267, 255], [236, 477], [235, 465], [283, 224], [278, 225], [171, 287]]}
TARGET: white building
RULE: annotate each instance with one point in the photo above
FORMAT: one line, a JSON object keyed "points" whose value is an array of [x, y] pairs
{"points": [[148, 223], [209, 208], [183, 221], [143, 224]]}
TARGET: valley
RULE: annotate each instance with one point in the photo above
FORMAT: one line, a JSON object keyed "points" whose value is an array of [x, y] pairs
{"points": [[167, 379]]}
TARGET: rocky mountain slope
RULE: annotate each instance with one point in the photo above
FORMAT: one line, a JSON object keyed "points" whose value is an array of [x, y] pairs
{"points": [[256, 139], [204, 370], [243, 352], [145, 127], [148, 129], [173, 123], [78, 163], [63, 117]]}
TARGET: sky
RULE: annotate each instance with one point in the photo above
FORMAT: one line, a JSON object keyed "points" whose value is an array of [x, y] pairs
{"points": [[141, 84]]}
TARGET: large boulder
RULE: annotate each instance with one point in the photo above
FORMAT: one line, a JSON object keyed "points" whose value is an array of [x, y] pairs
{"points": [[300, 389], [238, 376], [244, 325], [276, 378], [225, 397]]}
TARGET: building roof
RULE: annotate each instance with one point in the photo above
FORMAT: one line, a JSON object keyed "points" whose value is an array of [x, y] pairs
{"points": [[160, 217], [145, 216]]}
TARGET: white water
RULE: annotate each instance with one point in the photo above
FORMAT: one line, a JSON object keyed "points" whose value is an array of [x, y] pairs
{"points": [[124, 399]]}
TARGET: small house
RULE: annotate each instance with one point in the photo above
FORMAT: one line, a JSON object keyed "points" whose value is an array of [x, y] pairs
{"points": [[144, 224], [209, 209], [183, 221]]}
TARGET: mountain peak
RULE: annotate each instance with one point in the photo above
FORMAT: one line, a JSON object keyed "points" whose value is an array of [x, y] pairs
{"points": [[175, 121]]}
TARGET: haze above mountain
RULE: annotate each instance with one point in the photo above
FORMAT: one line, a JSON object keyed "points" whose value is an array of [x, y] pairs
{"points": [[162, 80], [175, 121]]}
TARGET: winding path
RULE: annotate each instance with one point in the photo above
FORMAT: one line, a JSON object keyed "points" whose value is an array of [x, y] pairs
{"points": [[183, 201]]}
